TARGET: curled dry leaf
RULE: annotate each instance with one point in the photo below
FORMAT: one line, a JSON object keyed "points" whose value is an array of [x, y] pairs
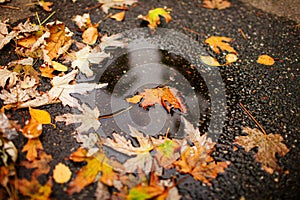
{"points": [[218, 4], [8, 78], [268, 146], [154, 15], [61, 173], [265, 60]]}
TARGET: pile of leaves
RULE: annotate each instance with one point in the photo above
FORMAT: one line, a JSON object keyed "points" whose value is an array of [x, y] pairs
{"points": [[46, 57]]}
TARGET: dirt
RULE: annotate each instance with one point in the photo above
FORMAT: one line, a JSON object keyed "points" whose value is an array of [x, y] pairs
{"points": [[271, 93]]}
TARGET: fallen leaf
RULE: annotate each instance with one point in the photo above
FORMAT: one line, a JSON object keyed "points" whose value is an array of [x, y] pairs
{"points": [[166, 96], [62, 88], [118, 16], [59, 67], [61, 173], [45, 5], [231, 58], [265, 60], [112, 41], [153, 17], [47, 71], [88, 142], [107, 4], [88, 119], [40, 164], [85, 57], [209, 60], [8, 78], [268, 146], [82, 21], [218, 43], [218, 4], [41, 116], [90, 35], [102, 192], [7, 127], [33, 189], [32, 146], [167, 153]]}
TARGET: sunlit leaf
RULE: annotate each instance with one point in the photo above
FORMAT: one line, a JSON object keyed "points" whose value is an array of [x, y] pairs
{"points": [[265, 60]]}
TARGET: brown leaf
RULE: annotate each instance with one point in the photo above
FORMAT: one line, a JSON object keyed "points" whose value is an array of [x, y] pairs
{"points": [[32, 146], [218, 43], [119, 16], [45, 5], [90, 35], [218, 4], [167, 153], [33, 189], [40, 163], [268, 146], [167, 97]]}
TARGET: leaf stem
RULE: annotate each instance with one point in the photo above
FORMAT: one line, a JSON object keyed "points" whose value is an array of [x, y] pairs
{"points": [[114, 114], [251, 116]]}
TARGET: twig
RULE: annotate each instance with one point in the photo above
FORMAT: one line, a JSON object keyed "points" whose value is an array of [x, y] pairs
{"points": [[243, 34], [251, 116], [10, 7], [114, 113]]}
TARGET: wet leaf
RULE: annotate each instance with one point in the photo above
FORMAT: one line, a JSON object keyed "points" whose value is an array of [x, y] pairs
{"points": [[61, 173], [88, 119], [153, 17], [112, 41], [218, 4], [107, 4], [268, 146], [87, 56], [218, 43], [166, 96], [34, 190], [40, 164], [119, 16], [265, 60], [167, 153], [32, 146], [209, 60]]}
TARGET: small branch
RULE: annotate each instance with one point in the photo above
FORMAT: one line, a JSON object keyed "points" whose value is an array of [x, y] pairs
{"points": [[251, 116], [243, 34], [10, 7], [114, 114]]}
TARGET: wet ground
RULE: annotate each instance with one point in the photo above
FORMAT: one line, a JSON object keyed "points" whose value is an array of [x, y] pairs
{"points": [[271, 93]]}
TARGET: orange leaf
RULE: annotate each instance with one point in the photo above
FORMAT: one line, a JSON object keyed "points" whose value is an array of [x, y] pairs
{"points": [[61, 173], [218, 43], [265, 60], [33, 189], [167, 97], [45, 5], [219, 4], [46, 71], [119, 16], [41, 163], [32, 129], [31, 147], [90, 35], [41, 116]]}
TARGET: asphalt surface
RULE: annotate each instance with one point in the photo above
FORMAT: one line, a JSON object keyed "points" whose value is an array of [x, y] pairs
{"points": [[271, 93]]}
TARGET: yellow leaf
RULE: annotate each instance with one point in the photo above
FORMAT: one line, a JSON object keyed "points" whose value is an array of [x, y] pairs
{"points": [[59, 67], [40, 116], [208, 60], [46, 71], [32, 129], [153, 17], [119, 16], [61, 173], [265, 60], [231, 58], [218, 43], [90, 35], [33, 189]]}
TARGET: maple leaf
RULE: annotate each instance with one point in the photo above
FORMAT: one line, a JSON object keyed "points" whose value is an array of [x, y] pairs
{"points": [[32, 146], [107, 4], [166, 96], [61, 173], [268, 145], [218, 43], [45, 5], [40, 163], [265, 60], [88, 142], [7, 78], [153, 17], [88, 119], [218, 4], [167, 153], [62, 89], [33, 189], [111, 41], [98, 163], [86, 56]]}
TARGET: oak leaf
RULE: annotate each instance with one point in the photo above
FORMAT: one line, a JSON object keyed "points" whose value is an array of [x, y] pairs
{"points": [[33, 189], [88, 119], [218, 4], [153, 17], [87, 56], [166, 96], [61, 173], [32, 146], [268, 146], [218, 43], [265, 60], [107, 4], [40, 164]]}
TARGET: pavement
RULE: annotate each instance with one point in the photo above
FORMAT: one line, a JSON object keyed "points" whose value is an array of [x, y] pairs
{"points": [[271, 93]]}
